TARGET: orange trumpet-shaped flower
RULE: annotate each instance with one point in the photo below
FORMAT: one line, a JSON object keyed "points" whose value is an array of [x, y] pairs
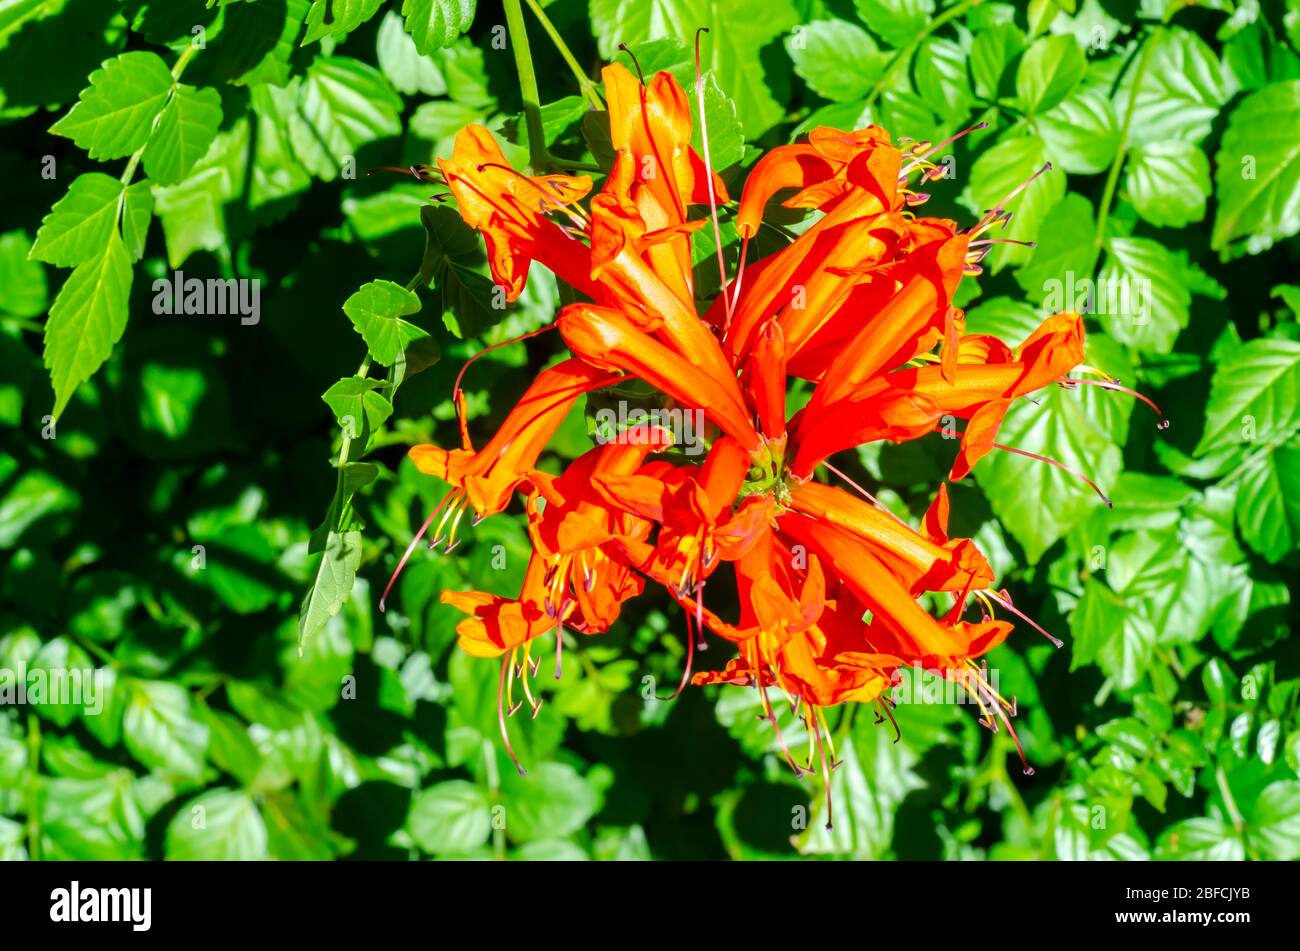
{"points": [[858, 309]]}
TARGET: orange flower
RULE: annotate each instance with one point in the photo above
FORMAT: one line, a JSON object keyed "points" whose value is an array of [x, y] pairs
{"points": [[860, 305]]}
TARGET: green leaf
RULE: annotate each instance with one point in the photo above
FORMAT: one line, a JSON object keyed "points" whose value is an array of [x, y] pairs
{"points": [[1108, 632], [838, 60], [941, 77], [23, 291], [992, 51], [358, 406], [161, 729], [434, 24], [471, 303], [221, 825], [1065, 256], [344, 17], [1254, 395], [1206, 840], [1268, 501], [739, 33], [450, 818], [1257, 177], [1274, 826], [551, 802], [87, 319], [1048, 71], [183, 135], [116, 111], [1081, 133], [332, 584], [997, 173], [343, 104], [726, 137], [1138, 296], [376, 311], [1062, 429], [137, 212], [1168, 182], [1180, 91], [79, 225], [875, 775], [401, 62], [897, 22]]}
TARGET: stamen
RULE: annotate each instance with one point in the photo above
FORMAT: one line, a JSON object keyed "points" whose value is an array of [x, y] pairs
{"points": [[865, 494], [1112, 385], [632, 56], [559, 645], [406, 555], [1060, 465], [826, 779], [708, 179], [740, 272], [501, 716], [1005, 601]]}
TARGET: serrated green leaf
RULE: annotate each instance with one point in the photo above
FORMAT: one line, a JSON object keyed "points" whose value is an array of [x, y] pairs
{"points": [[184, 133], [1082, 132], [117, 110], [1255, 395], [337, 18], [1257, 178], [80, 223], [1139, 298], [332, 583], [1048, 71], [434, 24], [839, 61], [87, 319], [1060, 428], [1168, 183], [221, 825], [451, 818], [401, 62], [344, 104], [376, 311], [897, 22], [1179, 92], [161, 730], [1268, 501], [137, 212]]}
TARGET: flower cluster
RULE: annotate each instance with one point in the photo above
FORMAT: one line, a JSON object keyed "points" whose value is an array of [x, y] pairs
{"points": [[859, 306]]}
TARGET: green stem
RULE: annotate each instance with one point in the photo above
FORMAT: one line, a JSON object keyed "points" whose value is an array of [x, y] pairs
{"points": [[584, 81], [494, 795], [1112, 178], [346, 446], [33, 791], [902, 55], [537, 157], [134, 161], [1234, 814]]}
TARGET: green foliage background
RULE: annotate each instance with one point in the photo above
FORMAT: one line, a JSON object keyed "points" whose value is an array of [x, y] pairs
{"points": [[199, 511]]}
